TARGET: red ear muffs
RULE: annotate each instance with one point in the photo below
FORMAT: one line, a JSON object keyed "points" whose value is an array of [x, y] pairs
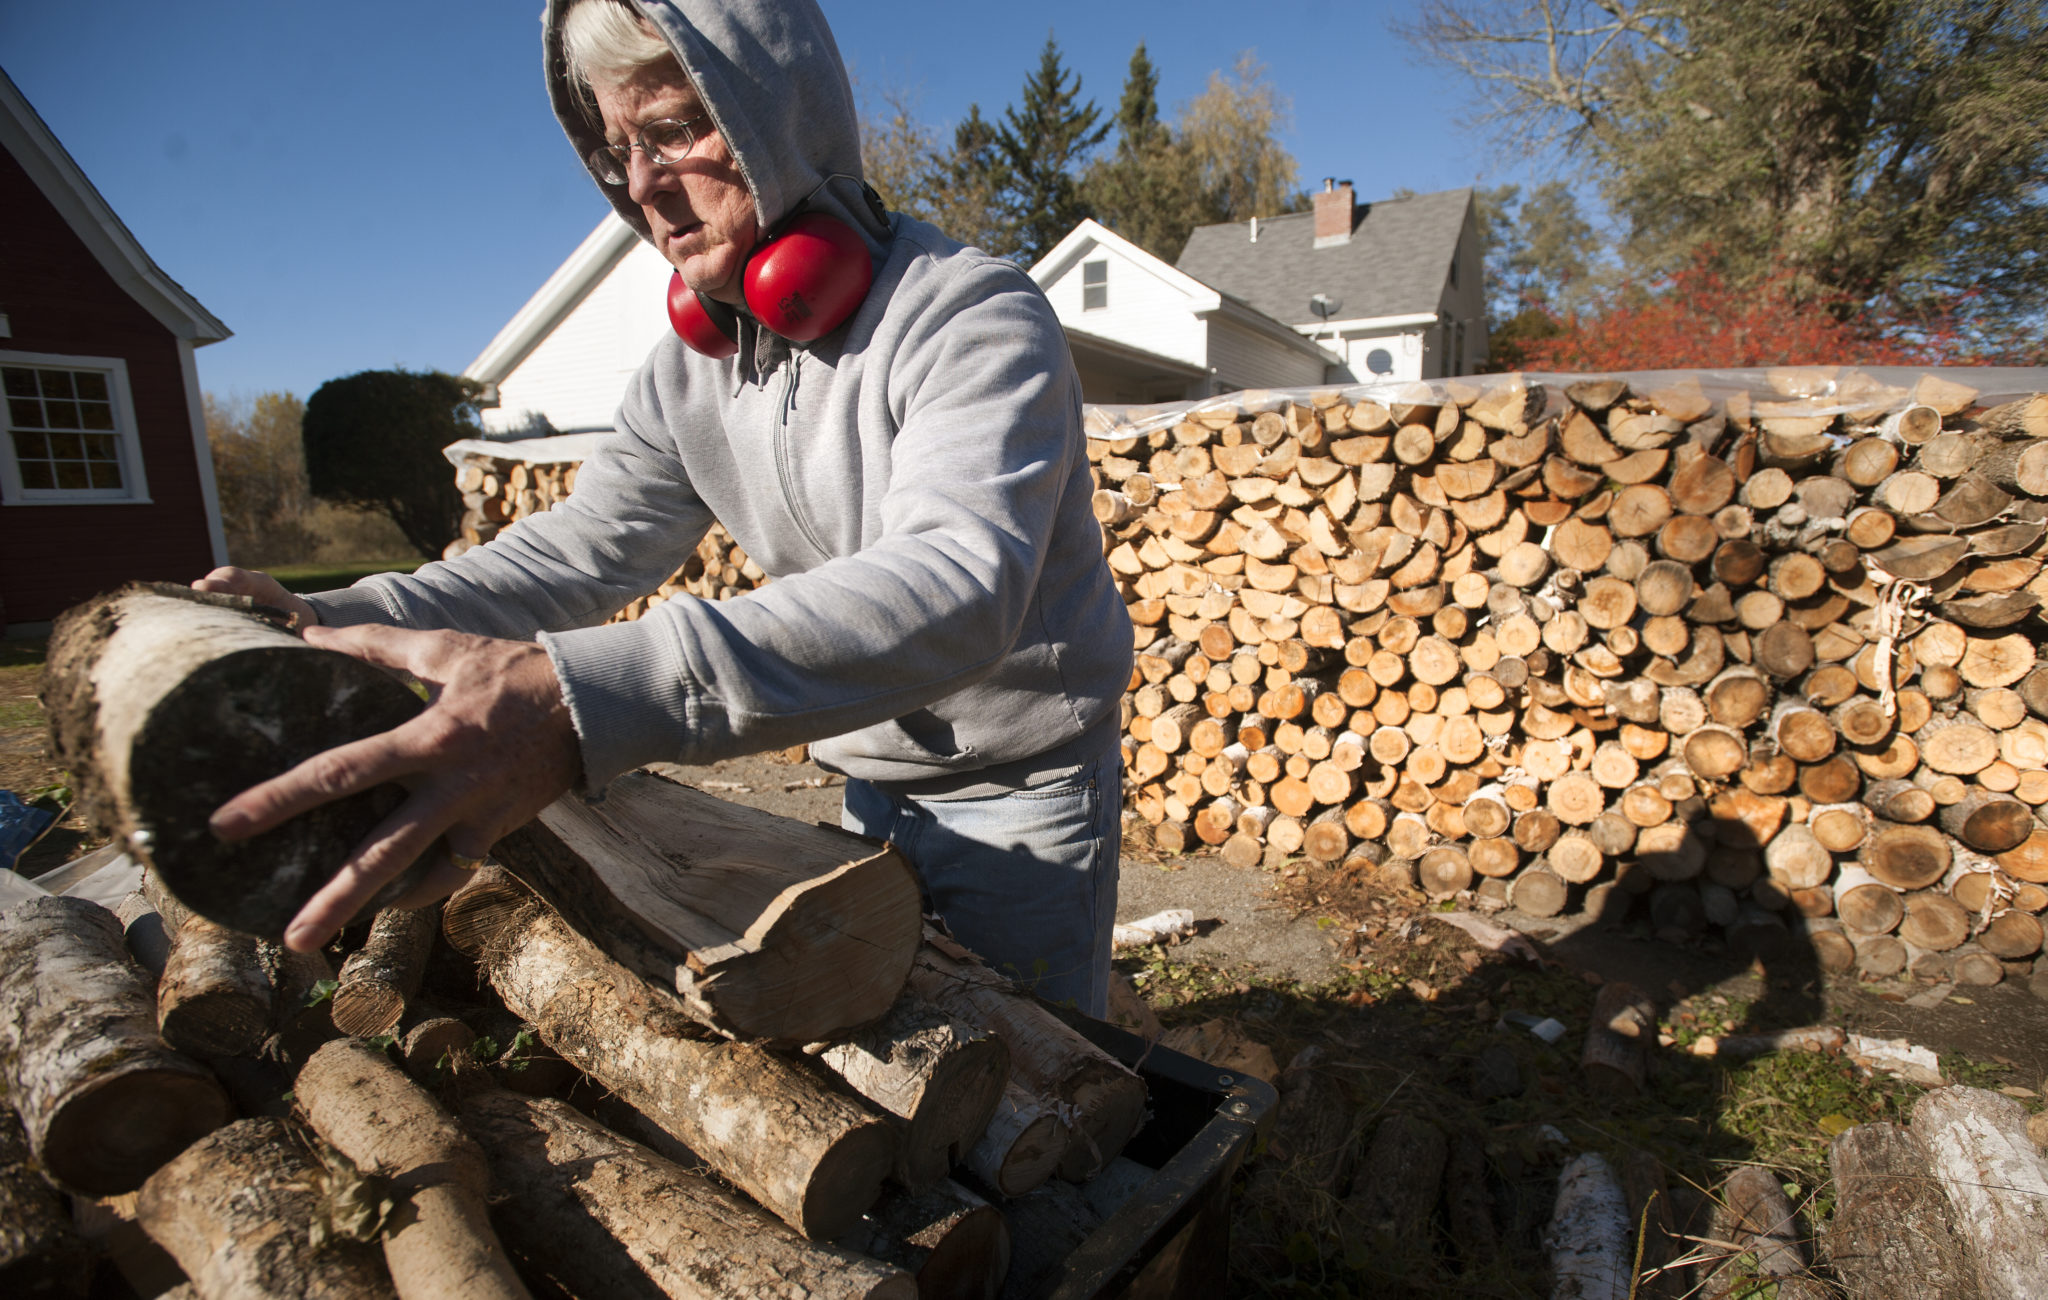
{"points": [[801, 284]]}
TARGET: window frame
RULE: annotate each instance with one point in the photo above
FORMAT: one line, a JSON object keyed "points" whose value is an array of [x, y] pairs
{"points": [[1102, 288], [135, 484]]}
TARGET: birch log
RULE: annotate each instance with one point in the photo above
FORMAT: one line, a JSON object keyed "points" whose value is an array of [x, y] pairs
{"points": [[165, 703], [1997, 1182], [623, 1222], [813, 1157], [940, 1078], [104, 1101]]}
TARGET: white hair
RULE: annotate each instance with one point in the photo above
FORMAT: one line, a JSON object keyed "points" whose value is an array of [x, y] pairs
{"points": [[608, 40]]}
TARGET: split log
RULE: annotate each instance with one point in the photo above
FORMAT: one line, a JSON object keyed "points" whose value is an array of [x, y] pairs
{"points": [[941, 1079], [954, 1243], [165, 703], [379, 979], [763, 926], [1046, 1057], [810, 1156], [550, 1165], [1977, 1143], [103, 1100], [236, 1211], [1893, 1235], [388, 1127]]}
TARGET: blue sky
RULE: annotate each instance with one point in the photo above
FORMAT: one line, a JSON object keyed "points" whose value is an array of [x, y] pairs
{"points": [[360, 185]]}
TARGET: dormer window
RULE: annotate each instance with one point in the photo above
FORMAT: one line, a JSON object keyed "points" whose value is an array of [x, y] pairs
{"points": [[1094, 285]]}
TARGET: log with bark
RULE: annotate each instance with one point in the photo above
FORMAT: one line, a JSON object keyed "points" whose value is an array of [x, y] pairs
{"points": [[764, 927], [389, 1128], [41, 1254], [237, 1211], [954, 1243], [1997, 1181], [379, 978], [103, 1099], [811, 1156], [164, 703], [622, 1221], [940, 1078], [1893, 1234]]}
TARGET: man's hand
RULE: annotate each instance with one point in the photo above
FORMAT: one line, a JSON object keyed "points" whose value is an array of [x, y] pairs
{"points": [[493, 748], [259, 587]]}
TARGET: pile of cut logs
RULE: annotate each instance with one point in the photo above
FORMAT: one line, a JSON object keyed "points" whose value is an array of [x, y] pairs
{"points": [[1756, 647], [499, 491], [1757, 655], [715, 988]]}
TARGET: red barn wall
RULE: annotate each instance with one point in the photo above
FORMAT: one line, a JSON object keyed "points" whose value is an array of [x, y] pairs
{"points": [[59, 299]]}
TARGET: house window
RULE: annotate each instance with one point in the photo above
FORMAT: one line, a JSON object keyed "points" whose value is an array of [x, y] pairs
{"points": [[1094, 285], [70, 431]]}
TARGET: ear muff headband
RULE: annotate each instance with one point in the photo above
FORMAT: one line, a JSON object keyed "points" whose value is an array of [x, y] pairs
{"points": [[800, 284]]}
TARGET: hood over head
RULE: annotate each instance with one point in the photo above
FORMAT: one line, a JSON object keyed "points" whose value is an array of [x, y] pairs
{"points": [[771, 78]]}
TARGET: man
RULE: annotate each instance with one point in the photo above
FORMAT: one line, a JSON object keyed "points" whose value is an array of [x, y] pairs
{"points": [[941, 625]]}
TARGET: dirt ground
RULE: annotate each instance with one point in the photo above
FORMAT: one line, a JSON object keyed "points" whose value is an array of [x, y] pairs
{"points": [[1410, 1015]]}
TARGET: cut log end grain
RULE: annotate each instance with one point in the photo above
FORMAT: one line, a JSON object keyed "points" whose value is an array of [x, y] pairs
{"points": [[165, 704]]}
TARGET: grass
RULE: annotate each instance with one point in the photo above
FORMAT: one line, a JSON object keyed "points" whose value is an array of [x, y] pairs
{"points": [[1403, 1027], [21, 669], [326, 577]]}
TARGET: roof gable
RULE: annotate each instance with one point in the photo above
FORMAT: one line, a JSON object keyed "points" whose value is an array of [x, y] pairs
{"points": [[1396, 263], [25, 135], [558, 295], [1090, 235]]}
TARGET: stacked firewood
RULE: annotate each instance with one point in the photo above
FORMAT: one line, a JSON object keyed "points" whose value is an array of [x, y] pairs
{"points": [[1754, 655], [497, 492], [713, 987]]}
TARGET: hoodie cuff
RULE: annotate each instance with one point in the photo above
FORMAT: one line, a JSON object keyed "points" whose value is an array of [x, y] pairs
{"points": [[627, 694], [351, 606]]}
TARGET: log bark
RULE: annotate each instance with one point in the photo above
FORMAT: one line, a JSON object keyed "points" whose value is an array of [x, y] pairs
{"points": [[365, 1107], [379, 980], [1977, 1143], [1588, 1234], [622, 1221], [940, 1078], [1394, 1190], [810, 1156], [41, 1254], [1107, 1101], [165, 703], [954, 1243], [1616, 1056], [1893, 1235], [103, 1100], [1023, 1145], [214, 997], [763, 926], [1760, 1219], [236, 1211]]}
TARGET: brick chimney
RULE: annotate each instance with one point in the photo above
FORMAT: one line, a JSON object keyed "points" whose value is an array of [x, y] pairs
{"points": [[1333, 213]]}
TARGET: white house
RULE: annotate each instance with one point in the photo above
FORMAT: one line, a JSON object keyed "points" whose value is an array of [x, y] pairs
{"points": [[1400, 279], [1143, 332]]}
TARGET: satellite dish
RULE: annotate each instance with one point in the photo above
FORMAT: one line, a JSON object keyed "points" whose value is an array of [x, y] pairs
{"points": [[1324, 306]]}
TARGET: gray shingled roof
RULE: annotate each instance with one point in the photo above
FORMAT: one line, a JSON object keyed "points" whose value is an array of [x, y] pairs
{"points": [[1396, 263]]}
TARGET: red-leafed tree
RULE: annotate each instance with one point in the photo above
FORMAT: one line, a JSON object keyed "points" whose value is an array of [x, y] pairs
{"points": [[1697, 318]]}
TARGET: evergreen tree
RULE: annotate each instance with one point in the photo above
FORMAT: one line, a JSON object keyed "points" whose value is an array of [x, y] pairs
{"points": [[1145, 190], [1042, 144], [373, 439]]}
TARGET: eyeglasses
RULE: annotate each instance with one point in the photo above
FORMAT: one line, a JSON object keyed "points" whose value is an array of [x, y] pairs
{"points": [[665, 142]]}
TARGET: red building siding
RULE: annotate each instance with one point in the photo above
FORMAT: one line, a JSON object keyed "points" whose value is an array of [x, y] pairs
{"points": [[59, 299]]}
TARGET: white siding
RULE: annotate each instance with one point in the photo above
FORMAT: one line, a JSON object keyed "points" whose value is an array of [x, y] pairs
{"points": [[1246, 358], [576, 375], [1144, 311]]}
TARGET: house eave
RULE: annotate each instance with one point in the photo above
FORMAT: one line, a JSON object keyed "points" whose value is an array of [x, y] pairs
{"points": [[572, 281], [53, 170]]}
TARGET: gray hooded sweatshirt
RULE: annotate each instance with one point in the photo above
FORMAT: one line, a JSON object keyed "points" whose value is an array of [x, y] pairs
{"points": [[915, 483]]}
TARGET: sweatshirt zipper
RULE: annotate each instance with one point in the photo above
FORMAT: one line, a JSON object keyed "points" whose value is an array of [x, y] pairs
{"points": [[783, 472]]}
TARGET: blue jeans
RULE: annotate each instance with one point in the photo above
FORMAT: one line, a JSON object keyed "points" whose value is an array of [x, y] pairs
{"points": [[1026, 878]]}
